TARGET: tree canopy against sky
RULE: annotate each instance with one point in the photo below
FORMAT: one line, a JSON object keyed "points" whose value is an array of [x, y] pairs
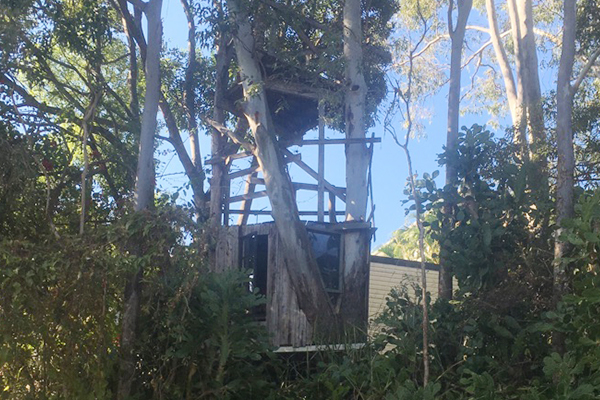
{"points": [[81, 84]]}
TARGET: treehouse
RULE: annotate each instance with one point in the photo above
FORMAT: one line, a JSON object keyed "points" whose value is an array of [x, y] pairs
{"points": [[257, 247], [322, 262]]}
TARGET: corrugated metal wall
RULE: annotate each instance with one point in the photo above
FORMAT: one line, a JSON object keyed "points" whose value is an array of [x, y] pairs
{"points": [[387, 273]]}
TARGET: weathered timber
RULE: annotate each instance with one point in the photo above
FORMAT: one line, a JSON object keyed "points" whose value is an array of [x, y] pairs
{"points": [[299, 185], [321, 167], [308, 142], [247, 202], [248, 196], [267, 212], [286, 323], [315, 175], [244, 172]]}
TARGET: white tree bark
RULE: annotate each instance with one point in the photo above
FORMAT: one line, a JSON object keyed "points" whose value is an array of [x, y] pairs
{"points": [[356, 244], [300, 261], [513, 94], [523, 93], [564, 138], [530, 77], [144, 185], [357, 156], [144, 193], [190, 110]]}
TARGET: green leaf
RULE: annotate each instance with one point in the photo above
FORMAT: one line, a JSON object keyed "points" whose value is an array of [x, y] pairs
{"points": [[591, 295]]}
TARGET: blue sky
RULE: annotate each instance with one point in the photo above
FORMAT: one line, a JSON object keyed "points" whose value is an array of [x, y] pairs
{"points": [[389, 168]]}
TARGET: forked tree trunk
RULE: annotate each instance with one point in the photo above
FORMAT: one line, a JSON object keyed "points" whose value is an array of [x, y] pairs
{"points": [[300, 261], [195, 175], [457, 36], [144, 195], [523, 90], [521, 12], [531, 79], [505, 69]]}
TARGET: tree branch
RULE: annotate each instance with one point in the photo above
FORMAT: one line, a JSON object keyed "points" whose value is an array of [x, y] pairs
{"points": [[584, 71], [235, 136], [482, 48]]}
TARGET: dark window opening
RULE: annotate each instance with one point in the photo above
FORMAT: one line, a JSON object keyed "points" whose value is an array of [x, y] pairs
{"points": [[254, 260], [326, 248]]}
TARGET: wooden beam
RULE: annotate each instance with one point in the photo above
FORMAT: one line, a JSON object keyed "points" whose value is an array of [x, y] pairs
{"points": [[267, 212], [315, 175], [244, 172], [228, 158], [295, 89], [323, 141], [256, 168], [332, 212], [321, 167], [247, 203], [248, 196], [298, 185]]}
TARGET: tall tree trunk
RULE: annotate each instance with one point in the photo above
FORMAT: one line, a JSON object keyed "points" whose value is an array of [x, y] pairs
{"points": [[457, 36], [356, 243], [357, 154], [520, 125], [500, 52], [300, 261], [523, 93], [195, 176], [144, 194], [218, 184], [528, 75], [564, 138], [190, 110]]}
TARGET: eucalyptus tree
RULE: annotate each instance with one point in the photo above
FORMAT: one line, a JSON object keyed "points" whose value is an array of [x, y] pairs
{"points": [[191, 162], [523, 88], [144, 191], [567, 87], [63, 86], [319, 54], [302, 265], [457, 32]]}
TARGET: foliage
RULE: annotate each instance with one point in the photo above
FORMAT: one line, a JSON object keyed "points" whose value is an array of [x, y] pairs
{"points": [[61, 294], [498, 233], [60, 307], [404, 243], [208, 343]]}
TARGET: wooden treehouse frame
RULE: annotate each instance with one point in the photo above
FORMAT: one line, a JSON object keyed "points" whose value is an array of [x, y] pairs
{"points": [[257, 247]]}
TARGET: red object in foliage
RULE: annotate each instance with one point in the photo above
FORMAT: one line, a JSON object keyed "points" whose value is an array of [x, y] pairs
{"points": [[96, 154], [47, 164]]}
